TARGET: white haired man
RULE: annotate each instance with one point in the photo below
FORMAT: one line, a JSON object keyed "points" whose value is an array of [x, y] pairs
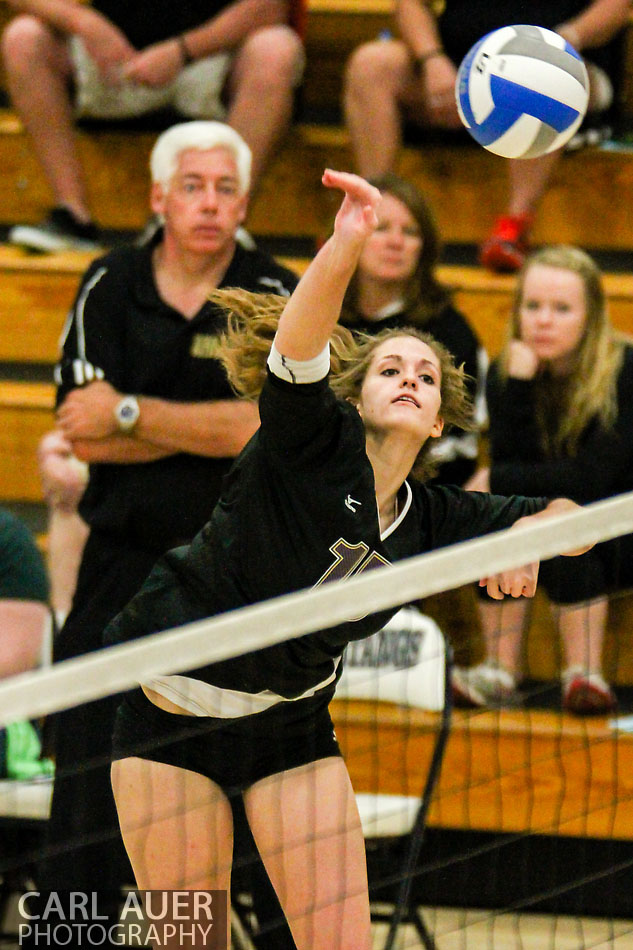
{"points": [[142, 399]]}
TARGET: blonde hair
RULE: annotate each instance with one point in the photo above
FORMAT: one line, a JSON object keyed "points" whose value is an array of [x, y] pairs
{"points": [[589, 389], [251, 326]]}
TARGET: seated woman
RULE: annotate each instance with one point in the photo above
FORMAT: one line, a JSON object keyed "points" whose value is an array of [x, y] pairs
{"points": [[321, 491], [560, 400], [395, 285]]}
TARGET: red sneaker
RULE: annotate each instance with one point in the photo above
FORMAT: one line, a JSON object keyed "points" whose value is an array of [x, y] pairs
{"points": [[505, 249], [587, 693]]}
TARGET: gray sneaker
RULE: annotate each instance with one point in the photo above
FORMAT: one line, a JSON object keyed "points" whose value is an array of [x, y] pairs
{"points": [[486, 684], [61, 231]]}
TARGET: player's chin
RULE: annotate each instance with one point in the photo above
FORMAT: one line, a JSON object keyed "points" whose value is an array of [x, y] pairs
{"points": [[410, 421]]}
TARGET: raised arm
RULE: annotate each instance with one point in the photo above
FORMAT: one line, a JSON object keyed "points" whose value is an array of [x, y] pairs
{"points": [[313, 310]]}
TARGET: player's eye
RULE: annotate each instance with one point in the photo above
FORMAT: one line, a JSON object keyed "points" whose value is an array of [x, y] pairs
{"points": [[389, 371], [428, 379]]}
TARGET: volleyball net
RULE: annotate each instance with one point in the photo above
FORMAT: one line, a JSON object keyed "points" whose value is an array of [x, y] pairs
{"points": [[533, 811]]}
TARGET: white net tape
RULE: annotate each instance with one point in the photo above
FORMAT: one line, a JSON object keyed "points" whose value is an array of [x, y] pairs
{"points": [[118, 668]]}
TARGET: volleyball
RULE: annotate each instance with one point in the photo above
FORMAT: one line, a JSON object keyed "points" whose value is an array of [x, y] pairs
{"points": [[522, 91]]}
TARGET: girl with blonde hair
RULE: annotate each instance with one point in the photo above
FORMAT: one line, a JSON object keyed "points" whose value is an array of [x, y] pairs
{"points": [[560, 401], [321, 491]]}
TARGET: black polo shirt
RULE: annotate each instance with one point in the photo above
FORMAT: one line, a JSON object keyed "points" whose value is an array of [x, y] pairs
{"points": [[121, 330]]}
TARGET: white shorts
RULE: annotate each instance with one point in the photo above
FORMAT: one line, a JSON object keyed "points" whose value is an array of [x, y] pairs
{"points": [[195, 92]]}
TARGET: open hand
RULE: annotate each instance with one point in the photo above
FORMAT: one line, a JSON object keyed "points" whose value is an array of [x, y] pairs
{"points": [[357, 215]]}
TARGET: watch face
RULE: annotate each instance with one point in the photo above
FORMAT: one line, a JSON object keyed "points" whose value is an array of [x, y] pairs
{"points": [[127, 413]]}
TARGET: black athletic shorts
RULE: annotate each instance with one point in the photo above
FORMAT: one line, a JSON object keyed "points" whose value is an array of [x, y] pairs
{"points": [[234, 753]]}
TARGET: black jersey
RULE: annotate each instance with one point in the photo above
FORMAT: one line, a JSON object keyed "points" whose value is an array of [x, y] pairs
{"points": [[147, 23], [298, 509], [121, 330]]}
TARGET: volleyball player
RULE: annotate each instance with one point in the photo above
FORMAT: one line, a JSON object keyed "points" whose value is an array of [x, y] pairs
{"points": [[320, 492]]}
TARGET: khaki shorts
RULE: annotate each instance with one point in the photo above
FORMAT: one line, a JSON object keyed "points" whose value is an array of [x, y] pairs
{"points": [[195, 93]]}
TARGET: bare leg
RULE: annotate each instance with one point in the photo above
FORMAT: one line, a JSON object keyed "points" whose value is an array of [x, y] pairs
{"points": [[307, 829], [261, 90], [503, 623], [177, 827], [528, 181], [38, 71], [377, 78], [582, 628]]}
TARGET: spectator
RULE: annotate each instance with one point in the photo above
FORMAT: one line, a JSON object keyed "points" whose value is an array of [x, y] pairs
{"points": [[24, 613], [560, 399], [395, 285], [144, 402], [232, 59], [413, 77]]}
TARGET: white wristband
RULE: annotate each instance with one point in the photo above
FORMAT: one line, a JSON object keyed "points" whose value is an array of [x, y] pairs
{"points": [[299, 371]]}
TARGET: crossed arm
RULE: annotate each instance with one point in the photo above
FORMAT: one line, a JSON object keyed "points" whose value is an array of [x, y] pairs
{"points": [[215, 429]]}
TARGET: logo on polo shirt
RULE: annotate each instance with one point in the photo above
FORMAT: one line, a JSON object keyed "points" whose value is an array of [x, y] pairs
{"points": [[204, 346]]}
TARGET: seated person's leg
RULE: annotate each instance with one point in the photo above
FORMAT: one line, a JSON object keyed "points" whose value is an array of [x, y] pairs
{"points": [[378, 76], [260, 88], [577, 587]]}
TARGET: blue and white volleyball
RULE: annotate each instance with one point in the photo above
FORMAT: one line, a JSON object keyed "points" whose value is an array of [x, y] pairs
{"points": [[522, 91]]}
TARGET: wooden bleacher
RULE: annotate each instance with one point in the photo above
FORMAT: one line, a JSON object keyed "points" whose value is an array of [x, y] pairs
{"points": [[504, 770], [465, 185], [37, 290], [26, 414]]}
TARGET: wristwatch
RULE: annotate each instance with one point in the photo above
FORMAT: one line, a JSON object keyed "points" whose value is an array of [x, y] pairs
{"points": [[126, 413]]}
